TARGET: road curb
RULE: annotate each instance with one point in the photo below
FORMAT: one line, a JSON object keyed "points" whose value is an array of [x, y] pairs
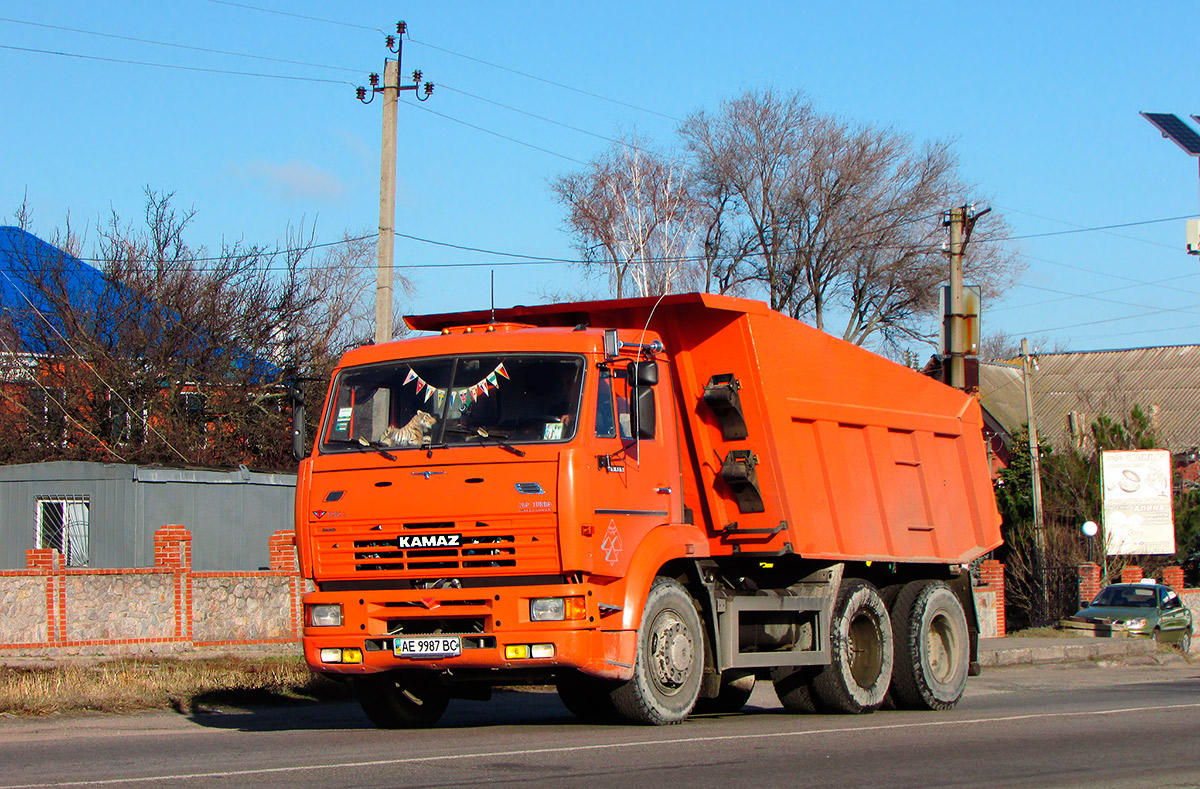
{"points": [[1034, 651]]}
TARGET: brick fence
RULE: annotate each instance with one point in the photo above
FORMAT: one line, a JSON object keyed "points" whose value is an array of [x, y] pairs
{"points": [[50, 610]]}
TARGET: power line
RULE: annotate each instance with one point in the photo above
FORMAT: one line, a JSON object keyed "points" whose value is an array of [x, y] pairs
{"points": [[1085, 229], [496, 134], [1076, 225], [1136, 283], [175, 67], [296, 16], [541, 79], [567, 126], [177, 46], [61, 407], [86, 363], [455, 54]]}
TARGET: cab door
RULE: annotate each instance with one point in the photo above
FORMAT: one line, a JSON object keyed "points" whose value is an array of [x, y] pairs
{"points": [[634, 483]]}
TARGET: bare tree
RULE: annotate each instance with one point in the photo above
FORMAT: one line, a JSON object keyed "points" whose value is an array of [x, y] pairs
{"points": [[832, 217], [634, 216], [165, 352]]}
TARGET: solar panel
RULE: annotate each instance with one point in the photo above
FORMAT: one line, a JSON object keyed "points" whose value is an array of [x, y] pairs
{"points": [[1172, 126]]}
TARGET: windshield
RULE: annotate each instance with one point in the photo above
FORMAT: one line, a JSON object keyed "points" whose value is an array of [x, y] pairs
{"points": [[455, 400], [1126, 597]]}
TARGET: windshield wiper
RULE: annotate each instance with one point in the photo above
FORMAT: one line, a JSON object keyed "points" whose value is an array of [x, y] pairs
{"points": [[378, 446], [499, 441]]}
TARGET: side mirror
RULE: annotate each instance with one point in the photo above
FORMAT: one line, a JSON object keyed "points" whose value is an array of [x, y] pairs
{"points": [[643, 416], [643, 373]]}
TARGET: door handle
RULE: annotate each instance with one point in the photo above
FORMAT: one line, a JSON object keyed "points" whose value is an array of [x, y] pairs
{"points": [[662, 489]]}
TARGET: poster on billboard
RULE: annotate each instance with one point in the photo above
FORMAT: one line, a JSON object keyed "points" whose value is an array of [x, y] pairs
{"points": [[1137, 513]]}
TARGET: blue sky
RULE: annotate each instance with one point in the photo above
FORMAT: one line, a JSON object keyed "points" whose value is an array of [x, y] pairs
{"points": [[1041, 99]]}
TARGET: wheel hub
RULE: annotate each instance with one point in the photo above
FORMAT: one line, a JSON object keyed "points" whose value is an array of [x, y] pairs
{"points": [[672, 650]]}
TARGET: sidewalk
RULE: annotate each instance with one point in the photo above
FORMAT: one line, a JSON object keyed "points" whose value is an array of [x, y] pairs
{"points": [[1016, 650]]}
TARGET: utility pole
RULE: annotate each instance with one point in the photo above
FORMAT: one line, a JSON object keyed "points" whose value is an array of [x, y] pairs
{"points": [[961, 222], [387, 175], [1035, 466]]}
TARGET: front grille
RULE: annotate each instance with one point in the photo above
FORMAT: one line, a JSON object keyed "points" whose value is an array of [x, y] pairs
{"points": [[428, 626], [526, 546]]}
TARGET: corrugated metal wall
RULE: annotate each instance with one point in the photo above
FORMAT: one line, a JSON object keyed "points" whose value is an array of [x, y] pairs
{"points": [[231, 515]]}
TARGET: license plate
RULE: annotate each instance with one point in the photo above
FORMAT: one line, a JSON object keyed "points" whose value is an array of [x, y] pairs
{"points": [[428, 647]]}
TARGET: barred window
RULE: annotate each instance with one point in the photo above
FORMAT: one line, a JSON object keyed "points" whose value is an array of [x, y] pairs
{"points": [[62, 524]]}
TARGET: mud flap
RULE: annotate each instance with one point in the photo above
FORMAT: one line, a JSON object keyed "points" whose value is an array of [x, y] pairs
{"points": [[964, 588]]}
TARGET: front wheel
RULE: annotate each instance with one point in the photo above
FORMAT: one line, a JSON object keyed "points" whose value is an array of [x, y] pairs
{"points": [[402, 699], [860, 669], [670, 659]]}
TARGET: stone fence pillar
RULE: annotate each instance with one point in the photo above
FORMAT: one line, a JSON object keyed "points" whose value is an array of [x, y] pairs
{"points": [[991, 573], [173, 548], [282, 546], [1131, 574], [1089, 582], [43, 559], [1173, 577]]}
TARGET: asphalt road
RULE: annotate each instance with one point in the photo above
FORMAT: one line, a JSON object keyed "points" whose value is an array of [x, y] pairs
{"points": [[1056, 725]]}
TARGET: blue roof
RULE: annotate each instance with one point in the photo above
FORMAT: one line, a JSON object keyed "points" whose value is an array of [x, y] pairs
{"points": [[21, 251]]}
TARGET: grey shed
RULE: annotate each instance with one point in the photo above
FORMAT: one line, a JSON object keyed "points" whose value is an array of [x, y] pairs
{"points": [[104, 515]]}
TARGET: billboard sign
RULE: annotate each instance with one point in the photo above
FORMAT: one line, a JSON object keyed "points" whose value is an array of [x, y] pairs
{"points": [[1137, 512]]}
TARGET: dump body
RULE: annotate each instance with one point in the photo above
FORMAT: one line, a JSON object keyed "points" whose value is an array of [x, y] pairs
{"points": [[552, 493], [858, 457]]}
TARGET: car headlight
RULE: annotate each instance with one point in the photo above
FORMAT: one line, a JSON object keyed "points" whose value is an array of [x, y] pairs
{"points": [[1135, 624], [325, 615]]}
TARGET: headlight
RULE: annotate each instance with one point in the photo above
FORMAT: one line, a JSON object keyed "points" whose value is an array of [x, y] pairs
{"points": [[1135, 624], [556, 609], [329, 615]]}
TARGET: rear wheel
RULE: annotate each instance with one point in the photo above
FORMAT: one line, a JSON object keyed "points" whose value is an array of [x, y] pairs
{"points": [[402, 699], [794, 688], [932, 647], [670, 659], [860, 670]]}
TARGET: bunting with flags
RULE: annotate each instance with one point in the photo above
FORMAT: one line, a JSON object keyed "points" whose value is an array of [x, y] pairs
{"points": [[463, 396]]}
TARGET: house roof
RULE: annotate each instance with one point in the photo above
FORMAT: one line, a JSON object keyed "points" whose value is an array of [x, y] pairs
{"points": [[18, 250], [1163, 381]]}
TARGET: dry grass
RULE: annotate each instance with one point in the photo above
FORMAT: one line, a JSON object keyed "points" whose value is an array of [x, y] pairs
{"points": [[128, 685]]}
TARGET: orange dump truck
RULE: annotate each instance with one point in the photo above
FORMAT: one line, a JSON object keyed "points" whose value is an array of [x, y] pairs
{"points": [[647, 503]]}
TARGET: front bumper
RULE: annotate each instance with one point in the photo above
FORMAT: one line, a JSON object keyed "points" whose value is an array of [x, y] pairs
{"points": [[487, 619]]}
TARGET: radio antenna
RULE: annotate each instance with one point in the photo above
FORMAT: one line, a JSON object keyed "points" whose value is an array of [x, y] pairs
{"points": [[493, 295]]}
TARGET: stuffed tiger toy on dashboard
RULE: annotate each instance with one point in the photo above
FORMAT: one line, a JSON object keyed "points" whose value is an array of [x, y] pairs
{"points": [[413, 434]]}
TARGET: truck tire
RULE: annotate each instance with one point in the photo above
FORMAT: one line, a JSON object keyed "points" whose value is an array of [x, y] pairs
{"points": [[793, 686], [860, 669], [933, 648], [735, 692], [670, 659], [402, 699], [587, 698]]}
